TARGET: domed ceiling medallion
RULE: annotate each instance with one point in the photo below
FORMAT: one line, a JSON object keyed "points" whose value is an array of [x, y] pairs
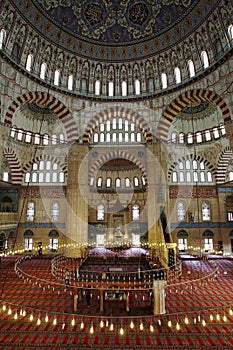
{"points": [[115, 22]]}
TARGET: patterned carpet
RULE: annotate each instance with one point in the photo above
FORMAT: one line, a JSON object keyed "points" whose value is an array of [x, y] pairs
{"points": [[206, 306]]}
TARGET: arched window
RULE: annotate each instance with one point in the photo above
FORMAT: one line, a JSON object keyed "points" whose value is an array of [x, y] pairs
{"points": [[216, 133], [151, 84], [205, 211], [164, 80], [61, 177], [2, 38], [97, 87], [27, 177], [55, 211], [190, 137], [207, 135], [110, 88], [181, 137], [30, 211], [205, 59], [174, 176], [20, 135], [135, 212], [43, 70], [36, 139], [28, 137], [222, 129], [137, 87], [124, 88], [208, 241], [5, 176], [45, 139], [28, 240], [108, 182], [54, 139], [56, 77], [100, 212], [118, 182], [191, 68], [198, 137], [127, 182], [84, 85], [53, 240], [29, 63], [180, 211], [61, 138], [177, 75], [230, 31], [99, 182], [16, 52], [92, 181], [136, 181], [182, 237], [70, 82], [174, 137]]}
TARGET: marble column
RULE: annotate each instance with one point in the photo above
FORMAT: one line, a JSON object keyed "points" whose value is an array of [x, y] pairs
{"points": [[77, 198], [159, 294]]}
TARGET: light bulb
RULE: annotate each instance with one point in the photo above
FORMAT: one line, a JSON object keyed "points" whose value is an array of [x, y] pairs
{"points": [[31, 317], [218, 317], [224, 318], [91, 330], [131, 325], [46, 318], [169, 323], [151, 328], [9, 311], [82, 325], [73, 322], [63, 325], [4, 307], [211, 317], [38, 321], [230, 312], [101, 324], [122, 331], [177, 326], [141, 326], [203, 323], [16, 315], [54, 321], [111, 327], [186, 320]]}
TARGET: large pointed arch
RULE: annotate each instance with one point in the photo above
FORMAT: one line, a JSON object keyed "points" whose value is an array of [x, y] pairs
{"points": [[50, 102], [113, 155], [124, 113], [14, 164], [222, 165], [184, 100]]}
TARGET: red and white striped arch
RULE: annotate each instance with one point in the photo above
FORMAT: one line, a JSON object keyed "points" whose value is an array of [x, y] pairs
{"points": [[14, 165], [46, 157], [113, 155], [184, 100], [192, 157], [222, 165], [121, 112], [50, 102]]}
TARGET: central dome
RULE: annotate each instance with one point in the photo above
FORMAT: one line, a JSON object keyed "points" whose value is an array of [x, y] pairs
{"points": [[116, 30], [115, 22]]}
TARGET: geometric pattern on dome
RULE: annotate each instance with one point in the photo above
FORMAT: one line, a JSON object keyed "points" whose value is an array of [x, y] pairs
{"points": [[115, 30], [115, 22]]}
